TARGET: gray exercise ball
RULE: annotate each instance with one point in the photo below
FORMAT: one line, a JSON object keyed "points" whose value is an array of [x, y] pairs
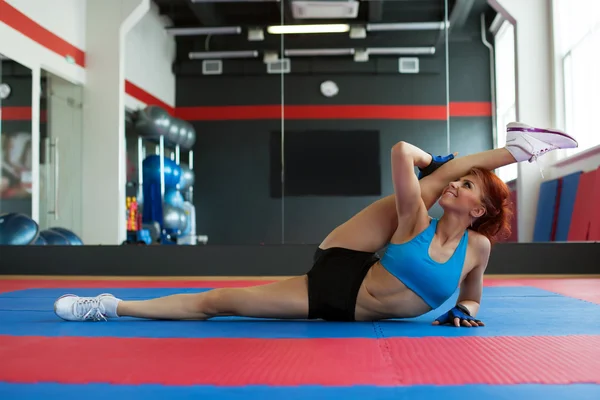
{"points": [[183, 132], [173, 134], [152, 122], [187, 177], [191, 137], [174, 218]]}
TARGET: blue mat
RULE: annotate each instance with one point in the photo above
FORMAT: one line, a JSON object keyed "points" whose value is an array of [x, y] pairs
{"points": [[49, 391], [568, 194], [544, 219], [507, 311]]}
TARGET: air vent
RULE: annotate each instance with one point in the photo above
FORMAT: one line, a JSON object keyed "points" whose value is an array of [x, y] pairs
{"points": [[281, 66], [408, 65], [212, 67], [325, 9]]}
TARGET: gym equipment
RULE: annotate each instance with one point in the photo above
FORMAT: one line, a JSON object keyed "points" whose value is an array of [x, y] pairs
{"points": [[151, 171], [173, 133], [191, 136], [71, 237], [40, 241], [54, 238], [184, 127], [173, 198], [187, 177], [17, 229], [188, 236], [152, 122], [174, 219]]}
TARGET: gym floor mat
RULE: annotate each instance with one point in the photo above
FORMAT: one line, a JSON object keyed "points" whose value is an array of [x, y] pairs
{"points": [[542, 338]]}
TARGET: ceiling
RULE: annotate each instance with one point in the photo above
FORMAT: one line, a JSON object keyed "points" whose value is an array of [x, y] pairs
{"points": [[464, 17]]}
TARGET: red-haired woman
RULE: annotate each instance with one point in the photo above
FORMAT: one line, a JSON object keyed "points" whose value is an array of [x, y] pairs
{"points": [[424, 263]]}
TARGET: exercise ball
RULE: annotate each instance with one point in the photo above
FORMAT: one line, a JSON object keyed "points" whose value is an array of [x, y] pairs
{"points": [[54, 238], [173, 198], [184, 126], [174, 218], [191, 137], [151, 171], [40, 241], [17, 229], [152, 122], [173, 133], [187, 177], [73, 239]]}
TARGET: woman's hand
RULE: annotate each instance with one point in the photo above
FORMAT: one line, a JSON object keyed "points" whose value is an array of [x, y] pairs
{"points": [[458, 316]]}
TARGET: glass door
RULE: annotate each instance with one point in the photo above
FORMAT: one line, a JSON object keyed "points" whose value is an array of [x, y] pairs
{"points": [[60, 154]]}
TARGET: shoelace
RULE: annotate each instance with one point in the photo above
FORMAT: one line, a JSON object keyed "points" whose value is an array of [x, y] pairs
{"points": [[536, 154], [89, 308]]}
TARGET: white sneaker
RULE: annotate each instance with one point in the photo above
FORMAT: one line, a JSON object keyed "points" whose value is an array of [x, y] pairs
{"points": [[527, 143], [74, 308]]}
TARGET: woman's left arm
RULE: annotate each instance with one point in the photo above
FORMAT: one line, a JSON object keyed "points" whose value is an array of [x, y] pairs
{"points": [[469, 298]]}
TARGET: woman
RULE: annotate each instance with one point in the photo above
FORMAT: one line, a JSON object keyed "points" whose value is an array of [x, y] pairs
{"points": [[425, 260]]}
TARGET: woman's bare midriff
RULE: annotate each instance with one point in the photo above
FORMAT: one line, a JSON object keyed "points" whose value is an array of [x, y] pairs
{"points": [[383, 296]]}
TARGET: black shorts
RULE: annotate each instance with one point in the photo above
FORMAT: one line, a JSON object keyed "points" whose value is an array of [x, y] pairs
{"points": [[334, 282]]}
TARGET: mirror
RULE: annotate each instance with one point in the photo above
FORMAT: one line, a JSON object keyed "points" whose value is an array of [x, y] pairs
{"points": [[16, 174]]}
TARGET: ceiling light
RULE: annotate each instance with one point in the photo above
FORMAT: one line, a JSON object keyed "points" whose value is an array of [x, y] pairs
{"points": [[318, 52], [220, 30], [212, 55], [401, 50], [407, 26], [296, 29]]}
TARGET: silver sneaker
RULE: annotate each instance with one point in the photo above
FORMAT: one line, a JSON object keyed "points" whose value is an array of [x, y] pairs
{"points": [[74, 308]]}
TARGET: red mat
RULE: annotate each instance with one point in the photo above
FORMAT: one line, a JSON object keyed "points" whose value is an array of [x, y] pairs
{"points": [[383, 362]]}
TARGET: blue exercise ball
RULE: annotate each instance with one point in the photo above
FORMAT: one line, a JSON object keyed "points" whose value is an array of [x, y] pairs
{"points": [[40, 241], [17, 229], [73, 239], [54, 238], [173, 197], [151, 171]]}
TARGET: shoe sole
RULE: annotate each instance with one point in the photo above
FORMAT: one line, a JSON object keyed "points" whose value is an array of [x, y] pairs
{"points": [[571, 143]]}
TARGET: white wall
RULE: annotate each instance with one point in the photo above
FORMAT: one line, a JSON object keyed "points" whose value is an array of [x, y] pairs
{"points": [[64, 18], [149, 54]]}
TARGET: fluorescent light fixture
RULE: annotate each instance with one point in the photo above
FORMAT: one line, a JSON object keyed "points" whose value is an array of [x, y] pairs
{"points": [[407, 26], [213, 55], [296, 29], [318, 52], [217, 30], [235, 1], [401, 50]]}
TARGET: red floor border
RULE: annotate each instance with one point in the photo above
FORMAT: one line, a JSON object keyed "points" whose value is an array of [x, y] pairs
{"points": [[289, 362]]}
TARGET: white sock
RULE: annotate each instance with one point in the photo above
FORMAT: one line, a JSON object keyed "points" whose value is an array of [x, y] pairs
{"points": [[110, 305]]}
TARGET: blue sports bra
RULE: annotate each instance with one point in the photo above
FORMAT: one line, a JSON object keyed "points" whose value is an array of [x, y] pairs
{"points": [[432, 281]]}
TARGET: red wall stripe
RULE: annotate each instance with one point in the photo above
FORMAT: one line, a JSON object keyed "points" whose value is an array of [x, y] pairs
{"points": [[471, 109], [19, 113], [399, 112], [28, 27], [15, 113], [145, 97]]}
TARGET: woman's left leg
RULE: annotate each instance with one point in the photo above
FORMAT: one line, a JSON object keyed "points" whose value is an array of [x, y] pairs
{"points": [[284, 299]]}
